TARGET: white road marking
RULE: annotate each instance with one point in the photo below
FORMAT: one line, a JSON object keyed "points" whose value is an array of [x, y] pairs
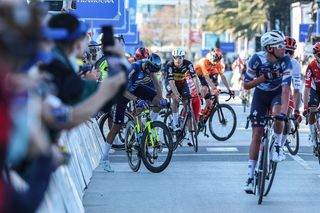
{"points": [[222, 149], [301, 161]]}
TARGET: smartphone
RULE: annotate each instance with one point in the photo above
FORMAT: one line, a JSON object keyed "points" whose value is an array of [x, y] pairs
{"points": [[107, 37]]}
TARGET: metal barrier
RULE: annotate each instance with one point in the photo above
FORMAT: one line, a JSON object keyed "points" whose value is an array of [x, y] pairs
{"points": [[69, 182]]}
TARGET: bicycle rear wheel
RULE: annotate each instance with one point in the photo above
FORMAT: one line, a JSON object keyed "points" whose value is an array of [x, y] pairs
{"points": [[292, 142], [156, 156], [132, 147], [104, 129], [222, 122]]}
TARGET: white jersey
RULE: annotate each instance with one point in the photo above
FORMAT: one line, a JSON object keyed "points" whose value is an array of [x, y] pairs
{"points": [[296, 74]]}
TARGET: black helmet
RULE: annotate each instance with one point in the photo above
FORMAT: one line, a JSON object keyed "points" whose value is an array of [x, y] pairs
{"points": [[154, 63]]}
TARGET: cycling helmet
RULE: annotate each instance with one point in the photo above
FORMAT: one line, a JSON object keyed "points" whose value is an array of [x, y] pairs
{"points": [[178, 52], [273, 37], [316, 48], [141, 53], [154, 63], [215, 54], [291, 43]]}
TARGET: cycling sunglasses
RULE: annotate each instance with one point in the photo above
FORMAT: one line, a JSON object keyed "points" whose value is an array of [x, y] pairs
{"points": [[177, 57], [279, 46]]}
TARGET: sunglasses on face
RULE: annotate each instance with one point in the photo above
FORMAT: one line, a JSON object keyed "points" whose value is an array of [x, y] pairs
{"points": [[177, 57], [317, 54], [279, 46]]}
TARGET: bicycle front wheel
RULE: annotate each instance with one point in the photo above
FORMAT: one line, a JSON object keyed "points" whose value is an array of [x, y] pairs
{"points": [[292, 142], [132, 147], [262, 173], [193, 131], [222, 122], [271, 172], [157, 146]]}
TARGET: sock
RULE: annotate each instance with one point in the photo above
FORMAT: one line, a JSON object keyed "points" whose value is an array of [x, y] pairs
{"points": [[251, 168], [106, 150], [278, 137], [283, 140], [154, 116], [175, 118]]}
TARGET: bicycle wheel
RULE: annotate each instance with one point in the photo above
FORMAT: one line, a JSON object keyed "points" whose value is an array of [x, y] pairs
{"points": [[104, 129], [271, 172], [168, 122], [156, 156], [222, 122], [193, 131], [262, 172], [132, 147], [292, 142]]}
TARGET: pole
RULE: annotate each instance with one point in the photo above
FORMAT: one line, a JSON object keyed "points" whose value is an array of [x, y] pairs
{"points": [[189, 29]]}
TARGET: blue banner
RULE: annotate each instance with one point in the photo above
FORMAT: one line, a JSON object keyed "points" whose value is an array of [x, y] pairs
{"points": [[117, 22], [125, 28], [133, 11], [227, 47], [99, 10], [304, 30], [131, 38]]}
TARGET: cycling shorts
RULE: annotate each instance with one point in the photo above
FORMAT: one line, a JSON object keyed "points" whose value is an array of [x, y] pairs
{"points": [[262, 101], [314, 98]]}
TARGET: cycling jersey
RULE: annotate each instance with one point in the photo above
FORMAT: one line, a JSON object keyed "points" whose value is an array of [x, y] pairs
{"points": [[205, 68], [313, 76], [259, 63], [296, 74], [179, 74], [138, 77], [102, 65]]}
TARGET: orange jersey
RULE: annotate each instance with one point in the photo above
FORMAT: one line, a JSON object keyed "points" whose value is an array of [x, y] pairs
{"points": [[205, 68]]}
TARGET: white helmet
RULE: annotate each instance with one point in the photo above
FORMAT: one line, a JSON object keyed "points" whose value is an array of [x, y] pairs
{"points": [[178, 52], [272, 38]]}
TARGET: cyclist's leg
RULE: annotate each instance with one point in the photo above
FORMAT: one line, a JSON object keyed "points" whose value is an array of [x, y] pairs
{"points": [[285, 129], [259, 108], [312, 106]]}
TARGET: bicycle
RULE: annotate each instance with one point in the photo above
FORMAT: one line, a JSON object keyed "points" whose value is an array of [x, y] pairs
{"points": [[292, 142], [143, 142], [219, 115], [104, 127], [266, 168], [188, 123], [316, 145]]}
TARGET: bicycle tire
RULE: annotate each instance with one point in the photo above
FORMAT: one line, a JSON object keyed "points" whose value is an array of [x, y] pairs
{"points": [[272, 169], [132, 146], [102, 122], [222, 108], [168, 122], [149, 160], [295, 148], [194, 131], [262, 173]]}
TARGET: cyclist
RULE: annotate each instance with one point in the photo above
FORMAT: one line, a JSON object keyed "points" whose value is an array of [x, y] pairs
{"points": [[177, 79], [142, 85], [141, 53], [270, 72], [312, 91], [208, 69], [295, 99], [239, 68]]}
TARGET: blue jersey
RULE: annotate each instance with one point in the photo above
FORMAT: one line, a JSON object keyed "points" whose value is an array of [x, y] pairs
{"points": [[259, 63], [138, 77]]}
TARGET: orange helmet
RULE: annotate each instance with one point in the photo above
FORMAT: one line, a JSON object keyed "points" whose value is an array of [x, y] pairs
{"points": [[291, 43], [216, 54], [142, 53]]}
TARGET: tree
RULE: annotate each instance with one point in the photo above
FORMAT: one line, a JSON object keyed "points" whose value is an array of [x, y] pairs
{"points": [[161, 28], [248, 17]]}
